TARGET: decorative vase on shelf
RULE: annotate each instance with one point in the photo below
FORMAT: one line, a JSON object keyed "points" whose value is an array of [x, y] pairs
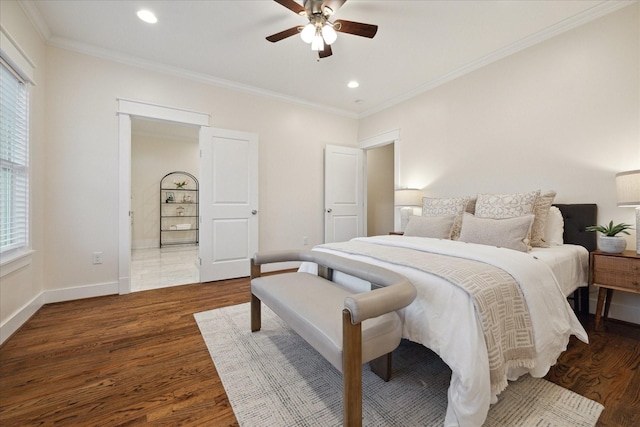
{"points": [[612, 244]]}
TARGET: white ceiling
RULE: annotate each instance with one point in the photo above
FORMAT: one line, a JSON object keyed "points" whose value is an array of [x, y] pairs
{"points": [[419, 44]]}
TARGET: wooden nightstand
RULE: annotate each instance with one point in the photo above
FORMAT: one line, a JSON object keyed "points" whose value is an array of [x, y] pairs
{"points": [[613, 272]]}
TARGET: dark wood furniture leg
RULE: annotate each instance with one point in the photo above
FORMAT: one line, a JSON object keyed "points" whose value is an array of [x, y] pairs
{"points": [[351, 371], [601, 297], [607, 303], [256, 314], [382, 366]]}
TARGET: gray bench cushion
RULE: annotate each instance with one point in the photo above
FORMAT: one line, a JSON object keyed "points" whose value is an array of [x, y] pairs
{"points": [[320, 323]]}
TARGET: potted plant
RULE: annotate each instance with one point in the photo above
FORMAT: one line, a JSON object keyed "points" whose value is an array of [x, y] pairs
{"points": [[610, 242]]}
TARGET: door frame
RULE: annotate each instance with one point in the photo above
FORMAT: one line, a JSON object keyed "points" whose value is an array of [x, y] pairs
{"points": [[390, 137], [144, 110]]}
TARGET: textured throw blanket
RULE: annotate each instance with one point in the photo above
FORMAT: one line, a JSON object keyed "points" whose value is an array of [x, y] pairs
{"points": [[500, 304]]}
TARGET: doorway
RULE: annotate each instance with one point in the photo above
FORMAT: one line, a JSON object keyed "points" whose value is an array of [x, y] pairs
{"points": [[158, 148], [127, 110], [380, 189]]}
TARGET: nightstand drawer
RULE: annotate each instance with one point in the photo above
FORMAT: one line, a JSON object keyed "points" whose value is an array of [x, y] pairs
{"points": [[617, 271]]}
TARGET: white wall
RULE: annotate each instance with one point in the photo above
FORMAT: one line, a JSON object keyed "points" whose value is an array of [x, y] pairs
{"points": [[562, 115], [83, 146], [21, 290], [152, 157]]}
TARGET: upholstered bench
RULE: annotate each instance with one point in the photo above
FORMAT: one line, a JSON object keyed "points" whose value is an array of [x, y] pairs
{"points": [[346, 328]]}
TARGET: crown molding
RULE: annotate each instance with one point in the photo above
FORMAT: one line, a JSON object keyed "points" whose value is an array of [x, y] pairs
{"points": [[110, 55], [602, 9], [34, 15]]}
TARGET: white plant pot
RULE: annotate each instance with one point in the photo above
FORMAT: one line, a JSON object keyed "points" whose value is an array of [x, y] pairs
{"points": [[612, 244]]}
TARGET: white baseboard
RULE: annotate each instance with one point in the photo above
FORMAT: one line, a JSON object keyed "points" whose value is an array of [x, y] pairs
{"points": [[81, 292], [145, 244], [14, 322]]}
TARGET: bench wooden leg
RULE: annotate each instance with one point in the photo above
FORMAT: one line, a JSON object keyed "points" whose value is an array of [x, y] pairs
{"points": [[351, 371], [256, 315], [382, 366]]}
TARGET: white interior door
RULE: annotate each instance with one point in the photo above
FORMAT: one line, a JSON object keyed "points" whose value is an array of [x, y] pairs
{"points": [[343, 193], [228, 203]]}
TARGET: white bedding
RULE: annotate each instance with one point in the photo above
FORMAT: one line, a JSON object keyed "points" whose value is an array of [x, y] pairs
{"points": [[443, 317], [569, 263]]}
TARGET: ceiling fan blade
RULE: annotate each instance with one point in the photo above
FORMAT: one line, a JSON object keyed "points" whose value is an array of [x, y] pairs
{"points": [[355, 28], [292, 5], [283, 34], [334, 5], [326, 52]]}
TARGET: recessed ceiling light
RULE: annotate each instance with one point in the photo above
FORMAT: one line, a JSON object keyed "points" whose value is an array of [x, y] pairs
{"points": [[353, 84], [147, 16]]}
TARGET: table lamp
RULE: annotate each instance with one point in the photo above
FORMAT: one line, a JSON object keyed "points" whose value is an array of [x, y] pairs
{"points": [[407, 199]]}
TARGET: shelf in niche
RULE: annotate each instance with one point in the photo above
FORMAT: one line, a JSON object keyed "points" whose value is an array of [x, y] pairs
{"points": [[168, 196]]}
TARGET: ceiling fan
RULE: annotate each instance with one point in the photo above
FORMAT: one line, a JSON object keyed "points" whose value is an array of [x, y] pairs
{"points": [[320, 32]]}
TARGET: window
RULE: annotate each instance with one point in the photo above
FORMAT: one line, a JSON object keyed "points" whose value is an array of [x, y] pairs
{"points": [[14, 162]]}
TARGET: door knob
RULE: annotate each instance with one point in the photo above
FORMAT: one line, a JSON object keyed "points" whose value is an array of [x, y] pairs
{"points": [[329, 210], [253, 212]]}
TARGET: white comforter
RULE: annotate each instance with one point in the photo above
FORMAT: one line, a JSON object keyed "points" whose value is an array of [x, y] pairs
{"points": [[443, 318]]}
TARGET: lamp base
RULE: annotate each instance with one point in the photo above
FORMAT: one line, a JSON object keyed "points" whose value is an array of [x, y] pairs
{"points": [[405, 213]]}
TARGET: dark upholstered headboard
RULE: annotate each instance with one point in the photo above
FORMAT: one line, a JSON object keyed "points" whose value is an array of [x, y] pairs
{"points": [[576, 218]]}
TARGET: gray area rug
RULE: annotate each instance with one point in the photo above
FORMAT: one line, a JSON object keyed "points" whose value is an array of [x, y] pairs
{"points": [[274, 378]]}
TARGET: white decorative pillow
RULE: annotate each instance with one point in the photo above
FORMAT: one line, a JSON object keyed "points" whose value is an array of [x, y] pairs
{"points": [[505, 205], [438, 227], [554, 228], [445, 207], [541, 212], [511, 233]]}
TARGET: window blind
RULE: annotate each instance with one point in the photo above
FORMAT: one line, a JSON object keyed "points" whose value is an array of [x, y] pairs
{"points": [[14, 161]]}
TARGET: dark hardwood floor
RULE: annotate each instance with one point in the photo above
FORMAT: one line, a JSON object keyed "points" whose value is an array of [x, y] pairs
{"points": [[139, 359]]}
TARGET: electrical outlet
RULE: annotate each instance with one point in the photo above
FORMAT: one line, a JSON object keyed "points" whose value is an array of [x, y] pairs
{"points": [[305, 240], [97, 257]]}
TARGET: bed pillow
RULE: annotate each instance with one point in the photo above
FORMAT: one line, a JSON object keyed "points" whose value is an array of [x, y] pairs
{"points": [[499, 206], [438, 227], [541, 212], [554, 228], [511, 233], [444, 207], [471, 206]]}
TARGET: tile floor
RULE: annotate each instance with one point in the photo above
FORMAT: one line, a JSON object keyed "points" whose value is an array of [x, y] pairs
{"points": [[162, 267]]}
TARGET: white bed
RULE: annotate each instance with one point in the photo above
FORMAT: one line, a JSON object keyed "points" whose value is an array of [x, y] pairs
{"points": [[443, 316]]}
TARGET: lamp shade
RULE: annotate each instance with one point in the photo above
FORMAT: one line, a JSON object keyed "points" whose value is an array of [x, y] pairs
{"points": [[408, 197], [628, 188]]}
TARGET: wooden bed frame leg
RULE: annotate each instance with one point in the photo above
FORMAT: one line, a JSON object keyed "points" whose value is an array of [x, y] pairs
{"points": [[351, 371], [382, 366]]}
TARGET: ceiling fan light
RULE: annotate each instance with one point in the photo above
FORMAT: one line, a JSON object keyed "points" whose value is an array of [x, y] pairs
{"points": [[329, 34], [308, 33], [317, 43]]}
